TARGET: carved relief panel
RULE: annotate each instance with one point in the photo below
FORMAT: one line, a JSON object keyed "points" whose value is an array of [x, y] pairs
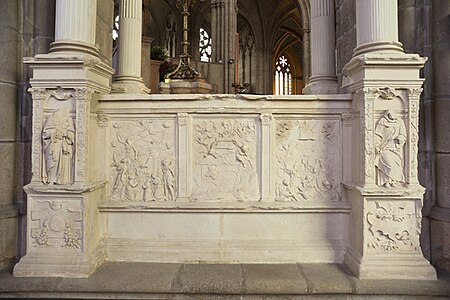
{"points": [[56, 223], [58, 142], [393, 226], [225, 160], [308, 160], [143, 163]]}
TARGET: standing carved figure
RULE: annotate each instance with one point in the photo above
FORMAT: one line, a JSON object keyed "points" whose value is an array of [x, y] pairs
{"points": [[390, 136], [169, 179], [58, 139]]}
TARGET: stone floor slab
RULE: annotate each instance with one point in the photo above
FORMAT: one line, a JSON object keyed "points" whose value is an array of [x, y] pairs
{"points": [[326, 279], [210, 279], [279, 279], [119, 280]]}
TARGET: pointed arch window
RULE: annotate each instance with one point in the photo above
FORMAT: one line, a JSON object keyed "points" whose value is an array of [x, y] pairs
{"points": [[115, 33], [205, 46], [283, 76]]}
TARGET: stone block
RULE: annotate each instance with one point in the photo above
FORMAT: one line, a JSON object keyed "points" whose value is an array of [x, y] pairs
{"points": [[442, 121], [210, 278], [8, 110], [43, 25], [9, 46], [326, 278], [140, 277], [440, 244], [276, 279], [7, 173], [105, 10], [104, 41], [8, 241], [443, 179]]}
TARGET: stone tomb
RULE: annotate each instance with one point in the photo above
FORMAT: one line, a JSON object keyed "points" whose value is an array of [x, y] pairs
{"points": [[223, 178]]}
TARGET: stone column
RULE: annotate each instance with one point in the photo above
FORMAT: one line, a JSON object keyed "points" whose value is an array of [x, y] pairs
{"points": [[128, 78], [377, 26], [230, 12], [384, 191], [75, 26], [323, 78]]}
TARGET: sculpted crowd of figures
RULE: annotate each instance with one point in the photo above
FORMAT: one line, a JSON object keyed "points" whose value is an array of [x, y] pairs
{"points": [[143, 167], [225, 158]]}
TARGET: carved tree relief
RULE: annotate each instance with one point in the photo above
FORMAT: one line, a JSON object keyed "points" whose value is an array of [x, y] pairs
{"points": [[225, 160], [56, 223], [392, 227], [308, 161], [58, 139], [143, 161]]}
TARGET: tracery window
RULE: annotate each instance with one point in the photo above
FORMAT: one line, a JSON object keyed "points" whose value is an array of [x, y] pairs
{"points": [[283, 76], [205, 46], [115, 33]]}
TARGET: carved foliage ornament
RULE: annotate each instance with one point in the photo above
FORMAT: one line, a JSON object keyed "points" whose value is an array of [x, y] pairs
{"points": [[56, 223], [392, 227], [143, 164]]}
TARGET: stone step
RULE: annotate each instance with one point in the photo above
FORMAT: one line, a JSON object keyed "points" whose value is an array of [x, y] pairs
{"points": [[120, 280]]}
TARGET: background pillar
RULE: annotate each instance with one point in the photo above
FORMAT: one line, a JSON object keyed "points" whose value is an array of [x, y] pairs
{"points": [[323, 78], [128, 77]]}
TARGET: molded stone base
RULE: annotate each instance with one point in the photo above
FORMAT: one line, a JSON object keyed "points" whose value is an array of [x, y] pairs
{"points": [[319, 87], [68, 265], [399, 267], [185, 87]]}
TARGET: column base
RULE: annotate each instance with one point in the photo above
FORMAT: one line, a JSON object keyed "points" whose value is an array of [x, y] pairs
{"points": [[65, 232], [61, 265], [73, 47], [384, 234], [175, 86], [318, 86], [129, 87], [379, 47], [411, 267]]}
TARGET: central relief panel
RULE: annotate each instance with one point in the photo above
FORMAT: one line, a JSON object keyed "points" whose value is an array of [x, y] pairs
{"points": [[308, 160], [225, 159]]}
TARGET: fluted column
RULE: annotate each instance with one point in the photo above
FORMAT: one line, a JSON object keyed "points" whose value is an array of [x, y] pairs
{"points": [[323, 78], [128, 77], [377, 26], [75, 26]]}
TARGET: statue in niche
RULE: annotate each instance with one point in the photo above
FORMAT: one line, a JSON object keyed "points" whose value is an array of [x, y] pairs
{"points": [[390, 137], [58, 139]]}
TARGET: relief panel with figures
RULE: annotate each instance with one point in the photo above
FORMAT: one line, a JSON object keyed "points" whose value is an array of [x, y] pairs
{"points": [[308, 160], [143, 166], [225, 160]]}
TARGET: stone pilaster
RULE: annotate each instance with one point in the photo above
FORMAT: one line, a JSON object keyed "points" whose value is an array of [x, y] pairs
{"points": [[75, 26], [64, 229], [128, 78], [323, 78], [383, 188]]}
